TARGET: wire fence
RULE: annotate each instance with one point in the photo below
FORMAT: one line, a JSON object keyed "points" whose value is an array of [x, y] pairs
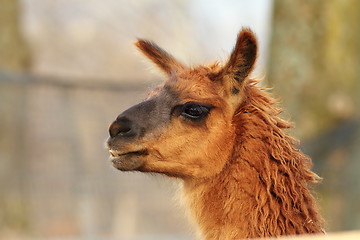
{"points": [[24, 78]]}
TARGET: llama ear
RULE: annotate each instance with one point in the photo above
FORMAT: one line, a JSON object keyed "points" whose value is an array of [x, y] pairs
{"points": [[159, 56], [242, 59]]}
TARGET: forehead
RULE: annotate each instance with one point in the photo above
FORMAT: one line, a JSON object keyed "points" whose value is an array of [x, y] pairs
{"points": [[193, 85]]}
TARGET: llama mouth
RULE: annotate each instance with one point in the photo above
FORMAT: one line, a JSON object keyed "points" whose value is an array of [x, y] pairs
{"points": [[116, 154], [127, 161]]}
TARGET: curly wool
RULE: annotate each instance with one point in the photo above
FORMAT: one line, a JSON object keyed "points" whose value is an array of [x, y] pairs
{"points": [[265, 188]]}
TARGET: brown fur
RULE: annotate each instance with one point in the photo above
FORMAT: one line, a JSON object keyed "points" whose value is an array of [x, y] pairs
{"points": [[243, 175], [263, 190]]}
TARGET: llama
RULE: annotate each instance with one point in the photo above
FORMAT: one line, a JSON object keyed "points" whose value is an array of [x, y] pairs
{"points": [[219, 132]]}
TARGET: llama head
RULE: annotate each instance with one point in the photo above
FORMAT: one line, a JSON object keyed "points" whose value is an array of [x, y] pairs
{"points": [[185, 127]]}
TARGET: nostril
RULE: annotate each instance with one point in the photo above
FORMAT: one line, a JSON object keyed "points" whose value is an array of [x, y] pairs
{"points": [[122, 126], [114, 129]]}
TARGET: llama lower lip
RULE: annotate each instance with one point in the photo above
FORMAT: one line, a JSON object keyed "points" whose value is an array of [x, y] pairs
{"points": [[127, 161]]}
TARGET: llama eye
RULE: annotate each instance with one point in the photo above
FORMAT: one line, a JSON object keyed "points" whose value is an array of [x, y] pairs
{"points": [[195, 111]]}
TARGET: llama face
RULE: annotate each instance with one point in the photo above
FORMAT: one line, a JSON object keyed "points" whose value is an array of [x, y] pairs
{"points": [[181, 130], [184, 129]]}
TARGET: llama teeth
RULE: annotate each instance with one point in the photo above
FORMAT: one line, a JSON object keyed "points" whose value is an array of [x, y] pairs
{"points": [[112, 153]]}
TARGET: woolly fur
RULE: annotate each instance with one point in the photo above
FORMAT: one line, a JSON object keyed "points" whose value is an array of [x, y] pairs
{"points": [[264, 189]]}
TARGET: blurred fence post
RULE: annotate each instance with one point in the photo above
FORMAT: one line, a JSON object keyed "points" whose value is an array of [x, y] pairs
{"points": [[14, 55], [14, 52]]}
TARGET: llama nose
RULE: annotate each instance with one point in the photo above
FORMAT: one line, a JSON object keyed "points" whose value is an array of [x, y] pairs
{"points": [[122, 127]]}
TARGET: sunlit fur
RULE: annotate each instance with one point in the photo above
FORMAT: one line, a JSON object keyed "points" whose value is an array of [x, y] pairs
{"points": [[243, 176]]}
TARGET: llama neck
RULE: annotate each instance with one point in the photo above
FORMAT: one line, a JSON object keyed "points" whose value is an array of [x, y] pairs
{"points": [[261, 192]]}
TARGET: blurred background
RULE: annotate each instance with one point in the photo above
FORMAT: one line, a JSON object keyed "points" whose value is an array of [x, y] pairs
{"points": [[68, 68]]}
